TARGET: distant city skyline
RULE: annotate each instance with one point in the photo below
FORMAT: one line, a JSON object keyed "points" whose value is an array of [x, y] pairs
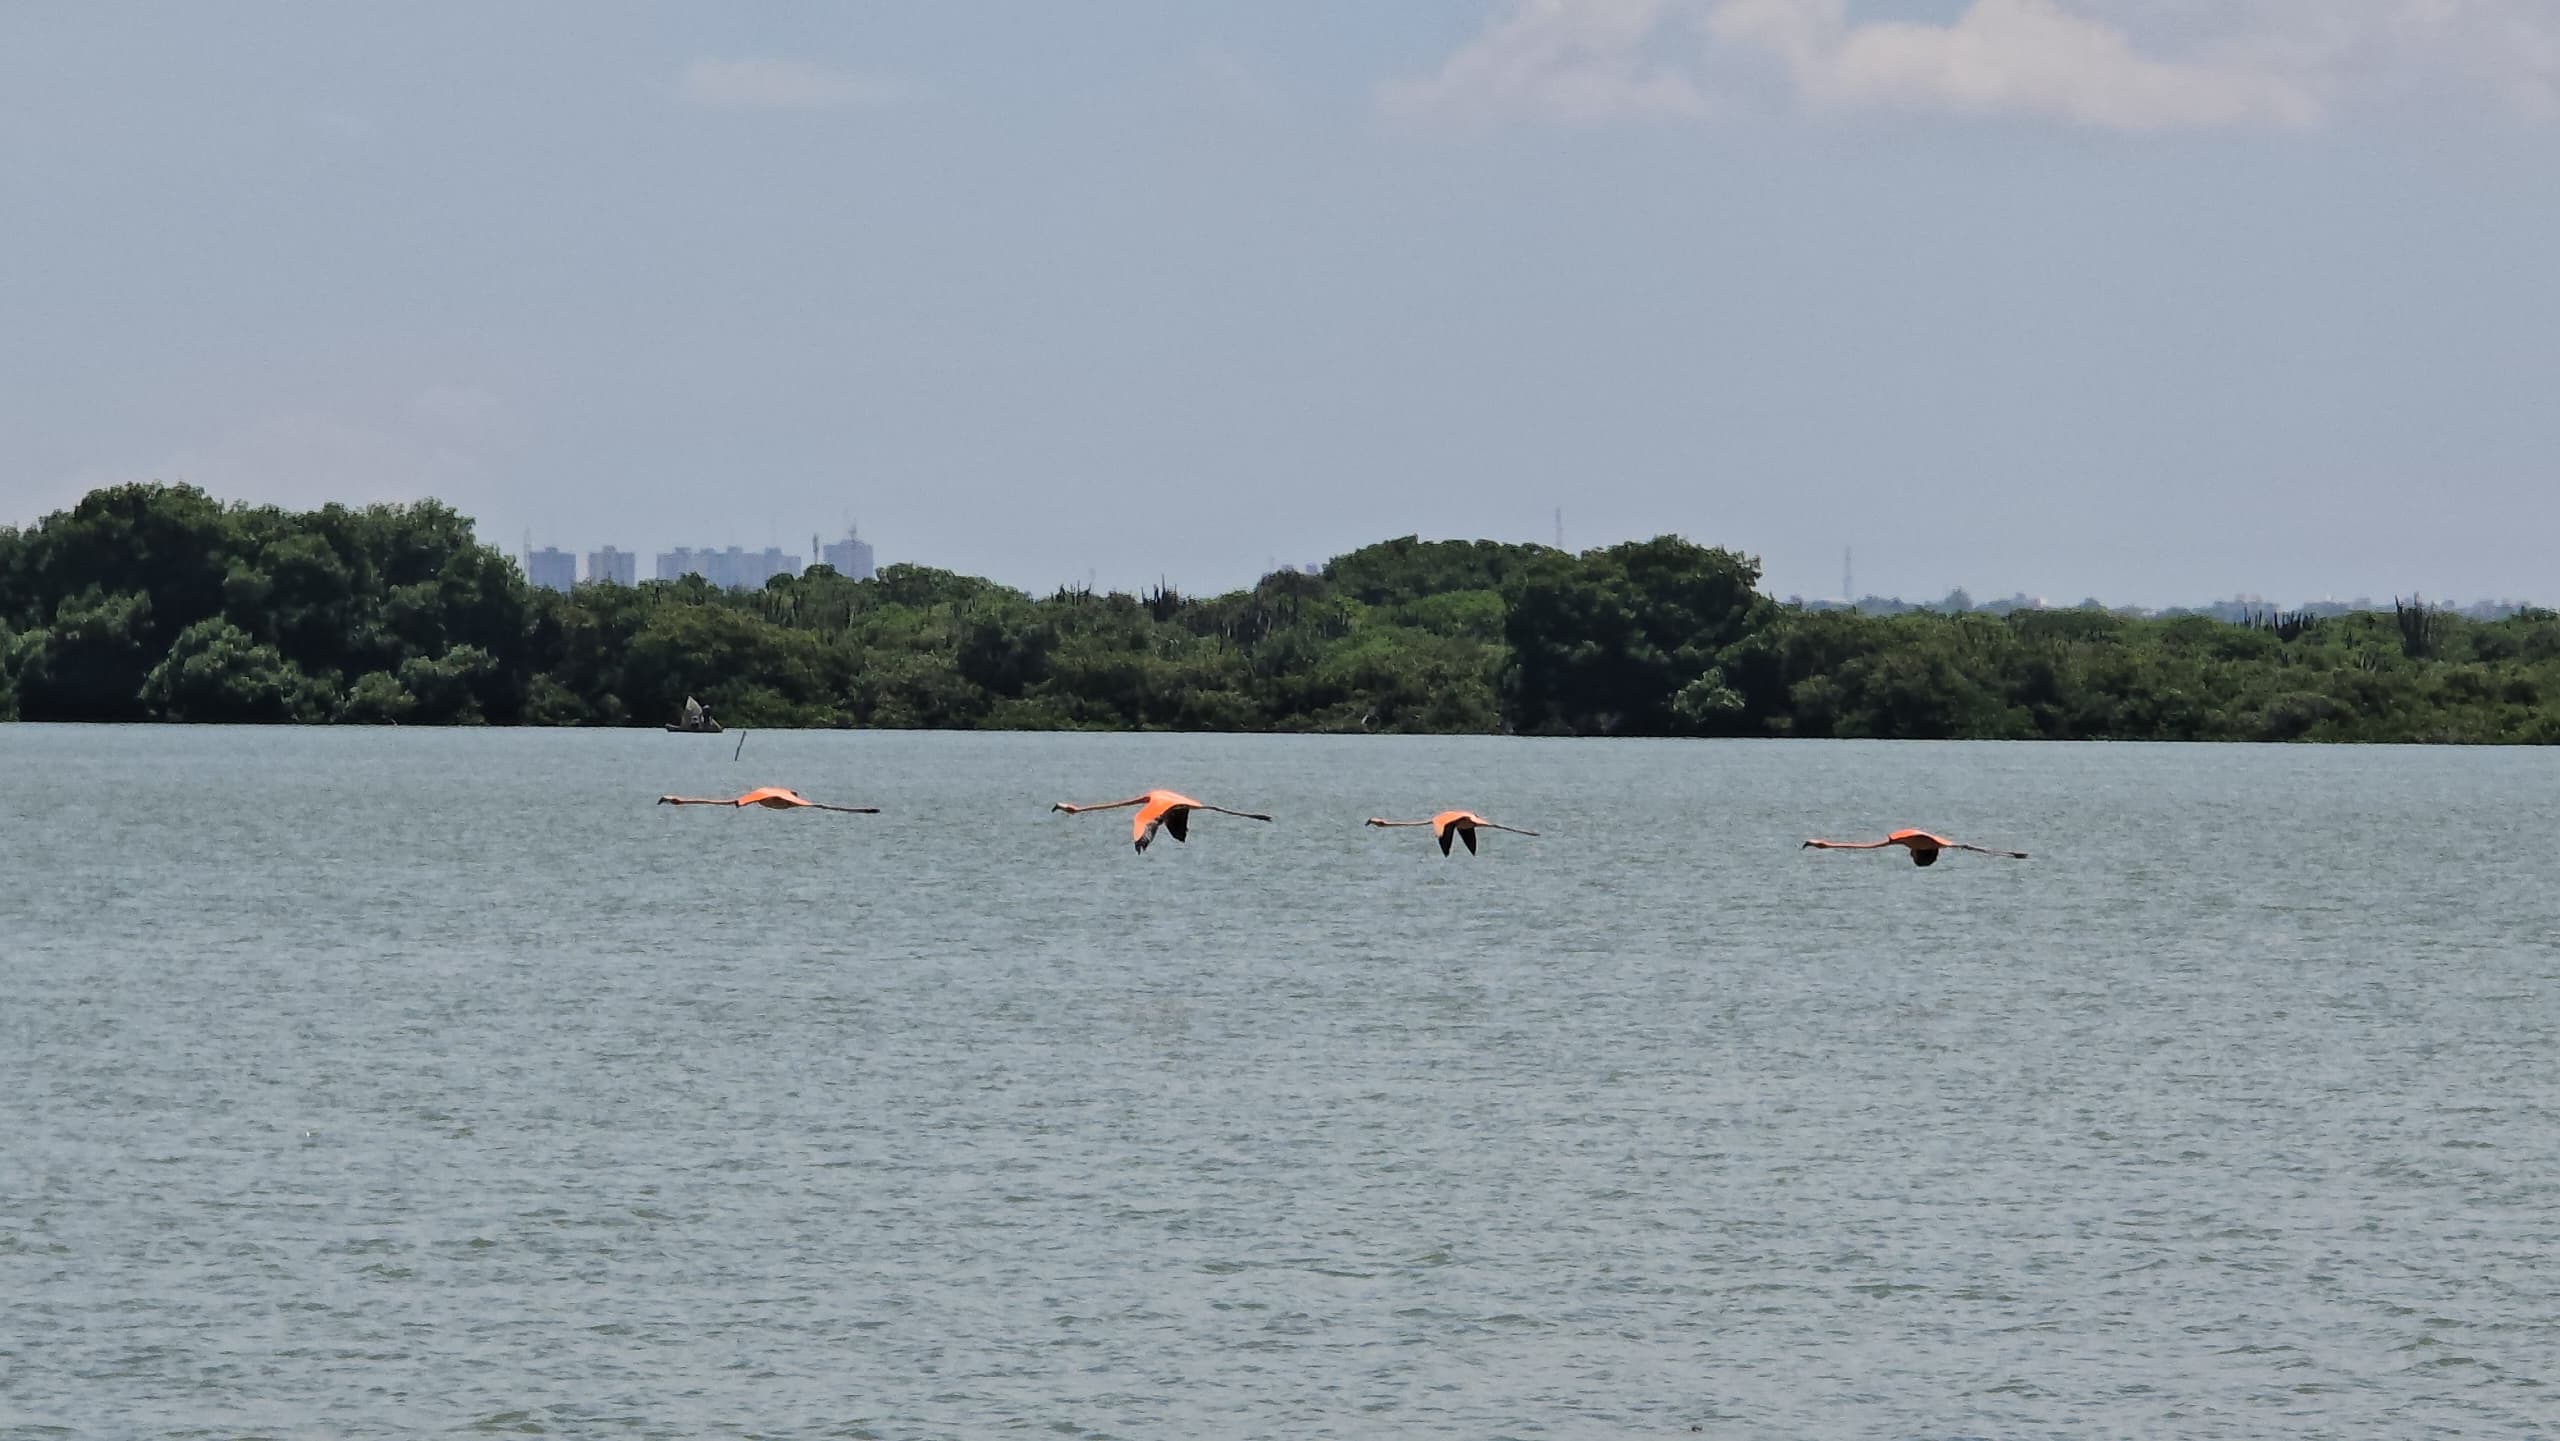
{"points": [[853, 555], [730, 567], [736, 567], [2233, 608]]}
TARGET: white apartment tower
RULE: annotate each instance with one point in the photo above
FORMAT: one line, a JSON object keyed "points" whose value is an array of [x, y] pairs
{"points": [[550, 568], [612, 567], [850, 556], [730, 569]]}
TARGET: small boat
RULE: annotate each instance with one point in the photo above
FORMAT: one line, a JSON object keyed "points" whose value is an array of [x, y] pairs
{"points": [[697, 721]]}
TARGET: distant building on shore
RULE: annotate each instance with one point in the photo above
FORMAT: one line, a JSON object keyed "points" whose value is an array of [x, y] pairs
{"points": [[850, 556], [729, 569], [550, 568], [2243, 609], [612, 567]]}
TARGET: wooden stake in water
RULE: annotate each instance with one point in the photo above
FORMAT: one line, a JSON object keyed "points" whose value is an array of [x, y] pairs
{"points": [[742, 746]]}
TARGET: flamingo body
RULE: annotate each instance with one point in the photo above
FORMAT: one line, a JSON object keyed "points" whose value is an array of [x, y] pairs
{"points": [[1455, 826], [1924, 846], [1168, 811], [772, 798]]}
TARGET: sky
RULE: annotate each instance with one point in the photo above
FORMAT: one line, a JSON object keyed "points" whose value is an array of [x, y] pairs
{"points": [[2155, 300]]}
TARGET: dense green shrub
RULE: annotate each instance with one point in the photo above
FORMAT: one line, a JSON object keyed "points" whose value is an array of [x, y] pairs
{"points": [[156, 602]]}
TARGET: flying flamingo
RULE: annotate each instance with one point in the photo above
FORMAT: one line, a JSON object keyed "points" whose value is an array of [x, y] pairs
{"points": [[772, 798], [1923, 846], [1462, 825], [1169, 809]]}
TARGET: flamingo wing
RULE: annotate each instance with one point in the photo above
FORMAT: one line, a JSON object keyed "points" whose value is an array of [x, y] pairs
{"points": [[1224, 811], [1987, 851], [1467, 834], [1177, 823]]}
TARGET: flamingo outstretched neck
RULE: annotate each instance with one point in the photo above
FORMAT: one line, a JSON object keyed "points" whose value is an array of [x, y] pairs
{"points": [[1924, 847], [1170, 810], [772, 798], [1455, 825]]}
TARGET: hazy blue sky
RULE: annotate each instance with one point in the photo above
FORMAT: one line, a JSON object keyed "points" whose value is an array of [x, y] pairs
{"points": [[2156, 299]]}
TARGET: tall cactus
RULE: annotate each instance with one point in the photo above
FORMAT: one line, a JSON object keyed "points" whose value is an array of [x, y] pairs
{"points": [[2422, 627], [2283, 625]]}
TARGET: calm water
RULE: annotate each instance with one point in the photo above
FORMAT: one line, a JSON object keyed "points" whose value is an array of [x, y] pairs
{"points": [[372, 1083]]}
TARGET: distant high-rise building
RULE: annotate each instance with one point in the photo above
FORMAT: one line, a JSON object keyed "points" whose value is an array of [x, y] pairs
{"points": [[850, 556], [551, 568], [757, 567], [730, 569], [612, 567]]}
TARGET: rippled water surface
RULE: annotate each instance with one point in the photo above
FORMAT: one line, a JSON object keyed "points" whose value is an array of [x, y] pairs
{"points": [[378, 1082]]}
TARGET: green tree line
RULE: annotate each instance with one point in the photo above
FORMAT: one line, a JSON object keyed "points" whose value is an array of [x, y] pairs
{"points": [[153, 602]]}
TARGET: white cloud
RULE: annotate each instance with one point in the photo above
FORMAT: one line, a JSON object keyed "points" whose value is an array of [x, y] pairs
{"points": [[2027, 57], [1575, 60], [2128, 65], [773, 83]]}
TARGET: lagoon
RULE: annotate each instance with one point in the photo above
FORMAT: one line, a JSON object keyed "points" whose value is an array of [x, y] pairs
{"points": [[363, 1082]]}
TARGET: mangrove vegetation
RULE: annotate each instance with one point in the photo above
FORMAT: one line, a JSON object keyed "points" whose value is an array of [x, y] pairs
{"points": [[153, 602]]}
